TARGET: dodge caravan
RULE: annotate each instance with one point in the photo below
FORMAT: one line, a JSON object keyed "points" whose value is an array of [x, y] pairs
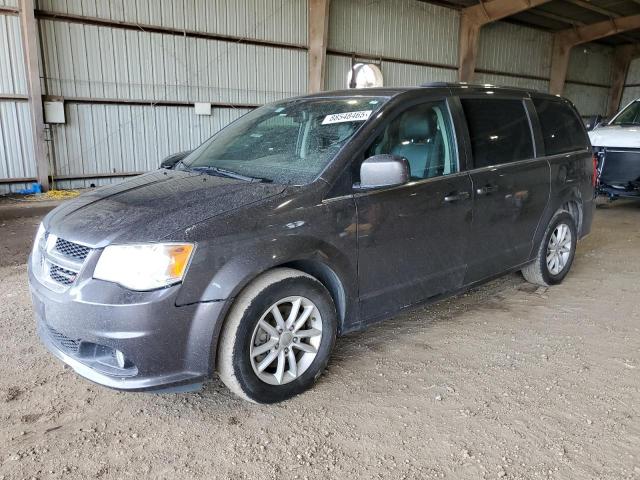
{"points": [[304, 220]]}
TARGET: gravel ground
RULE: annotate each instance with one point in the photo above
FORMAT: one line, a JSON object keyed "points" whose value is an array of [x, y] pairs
{"points": [[507, 381]]}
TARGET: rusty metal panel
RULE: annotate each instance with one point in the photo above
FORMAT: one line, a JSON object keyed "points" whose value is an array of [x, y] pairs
{"points": [[103, 62], [274, 20], [101, 139], [17, 157], [505, 47], [587, 99], [404, 29], [12, 71]]}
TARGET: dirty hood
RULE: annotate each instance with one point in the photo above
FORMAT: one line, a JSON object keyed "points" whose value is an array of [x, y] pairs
{"points": [[152, 206], [620, 136]]}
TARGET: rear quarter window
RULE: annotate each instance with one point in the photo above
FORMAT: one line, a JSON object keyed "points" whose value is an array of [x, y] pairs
{"points": [[499, 130], [562, 129]]}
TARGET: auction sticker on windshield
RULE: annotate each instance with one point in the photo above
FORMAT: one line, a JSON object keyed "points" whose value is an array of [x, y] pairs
{"points": [[360, 116]]}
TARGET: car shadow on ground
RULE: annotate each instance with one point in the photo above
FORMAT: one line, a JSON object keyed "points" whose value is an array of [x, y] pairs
{"points": [[401, 330]]}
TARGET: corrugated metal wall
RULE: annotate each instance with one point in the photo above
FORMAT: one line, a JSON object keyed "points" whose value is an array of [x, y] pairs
{"points": [[514, 49], [632, 83], [88, 64], [276, 20], [12, 73], [404, 29], [391, 29], [410, 32], [16, 143], [99, 139], [91, 65], [590, 63], [102, 62]]}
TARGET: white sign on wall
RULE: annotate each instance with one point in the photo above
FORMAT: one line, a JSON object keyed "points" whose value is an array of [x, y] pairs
{"points": [[54, 112], [202, 108]]}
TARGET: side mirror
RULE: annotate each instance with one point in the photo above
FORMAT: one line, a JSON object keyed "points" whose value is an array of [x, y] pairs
{"points": [[172, 160], [384, 171], [594, 122]]}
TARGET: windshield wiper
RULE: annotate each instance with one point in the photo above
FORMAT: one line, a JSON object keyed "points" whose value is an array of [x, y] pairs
{"points": [[228, 173]]}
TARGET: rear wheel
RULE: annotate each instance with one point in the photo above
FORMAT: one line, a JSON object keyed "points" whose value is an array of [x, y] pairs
{"points": [[556, 252], [278, 337]]}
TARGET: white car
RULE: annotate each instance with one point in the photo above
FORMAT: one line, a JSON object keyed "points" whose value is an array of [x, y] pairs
{"points": [[617, 146]]}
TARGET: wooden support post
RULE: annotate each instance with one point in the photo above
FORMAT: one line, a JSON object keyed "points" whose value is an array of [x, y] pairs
{"points": [[471, 21], [565, 40], [318, 39], [30, 41], [559, 66], [469, 40]]}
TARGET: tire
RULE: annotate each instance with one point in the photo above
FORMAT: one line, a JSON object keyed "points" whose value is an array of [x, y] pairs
{"points": [[539, 271], [252, 327]]}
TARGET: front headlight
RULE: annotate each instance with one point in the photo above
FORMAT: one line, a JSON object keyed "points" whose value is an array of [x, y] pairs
{"points": [[39, 236], [144, 266], [38, 245]]}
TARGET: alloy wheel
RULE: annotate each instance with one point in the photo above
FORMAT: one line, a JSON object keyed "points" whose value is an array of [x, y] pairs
{"points": [[559, 249], [286, 340]]}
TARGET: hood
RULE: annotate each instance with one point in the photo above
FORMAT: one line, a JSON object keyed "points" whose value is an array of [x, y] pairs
{"points": [[152, 206], [620, 136]]}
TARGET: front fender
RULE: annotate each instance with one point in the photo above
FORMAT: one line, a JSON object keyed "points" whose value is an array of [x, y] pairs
{"points": [[233, 252]]}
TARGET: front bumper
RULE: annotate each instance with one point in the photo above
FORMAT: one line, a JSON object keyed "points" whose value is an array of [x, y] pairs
{"points": [[165, 346]]}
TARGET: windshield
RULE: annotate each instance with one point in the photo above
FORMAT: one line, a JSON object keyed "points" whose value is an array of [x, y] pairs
{"points": [[628, 116], [288, 142]]}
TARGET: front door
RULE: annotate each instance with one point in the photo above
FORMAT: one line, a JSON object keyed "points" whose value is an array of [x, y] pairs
{"points": [[412, 238]]}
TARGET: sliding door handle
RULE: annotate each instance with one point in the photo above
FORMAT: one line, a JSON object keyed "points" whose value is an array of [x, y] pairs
{"points": [[455, 196], [487, 189]]}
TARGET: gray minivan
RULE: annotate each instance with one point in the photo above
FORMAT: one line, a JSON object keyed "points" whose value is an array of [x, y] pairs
{"points": [[307, 219]]}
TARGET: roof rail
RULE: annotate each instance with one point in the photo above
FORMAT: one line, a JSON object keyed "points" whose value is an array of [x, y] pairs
{"points": [[455, 84]]}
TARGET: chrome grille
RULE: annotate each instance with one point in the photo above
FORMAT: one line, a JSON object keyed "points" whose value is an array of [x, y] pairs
{"points": [[61, 275], [60, 261], [65, 343], [70, 249]]}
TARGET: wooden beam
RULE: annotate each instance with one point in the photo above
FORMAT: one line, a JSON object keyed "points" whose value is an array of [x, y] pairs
{"points": [[471, 21], [569, 21], [593, 8], [30, 45], [565, 40], [494, 10], [621, 61], [318, 40], [9, 11]]}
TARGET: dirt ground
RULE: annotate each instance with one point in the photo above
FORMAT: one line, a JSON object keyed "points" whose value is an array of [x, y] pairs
{"points": [[507, 381]]}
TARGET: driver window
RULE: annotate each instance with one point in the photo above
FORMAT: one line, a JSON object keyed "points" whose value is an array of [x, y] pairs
{"points": [[424, 136]]}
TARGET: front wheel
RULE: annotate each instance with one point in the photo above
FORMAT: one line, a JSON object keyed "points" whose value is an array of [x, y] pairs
{"points": [[556, 252], [278, 337]]}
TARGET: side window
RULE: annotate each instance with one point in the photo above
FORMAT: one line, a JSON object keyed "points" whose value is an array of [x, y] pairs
{"points": [[423, 134], [562, 130], [499, 131]]}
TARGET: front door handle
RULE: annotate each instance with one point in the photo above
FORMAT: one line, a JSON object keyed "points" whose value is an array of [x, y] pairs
{"points": [[455, 196], [487, 189]]}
